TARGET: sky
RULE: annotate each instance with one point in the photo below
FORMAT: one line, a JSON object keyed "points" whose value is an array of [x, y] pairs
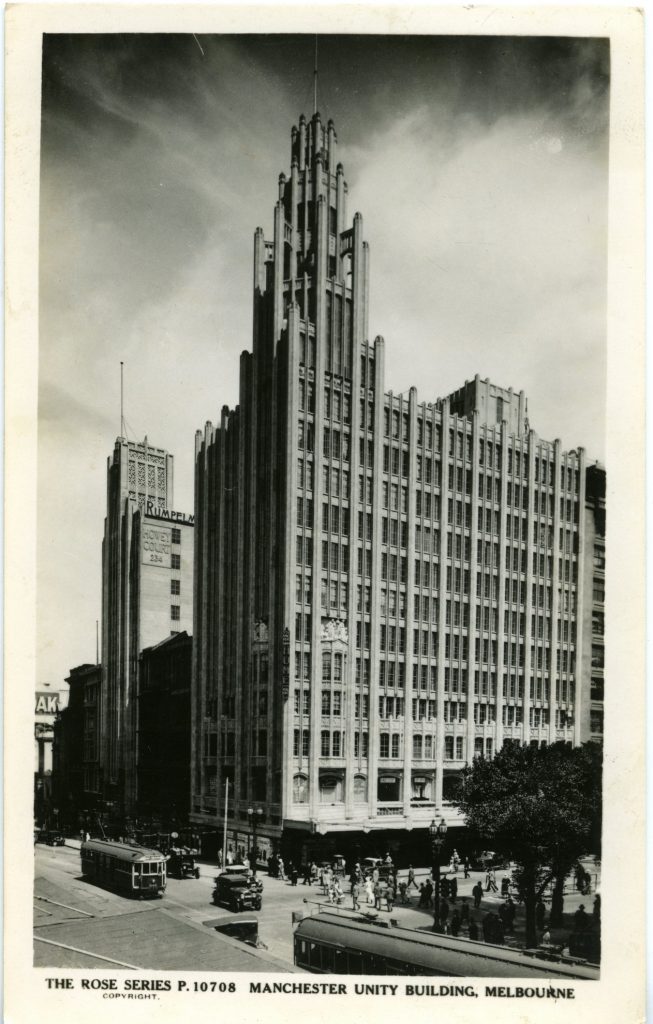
{"points": [[480, 166]]}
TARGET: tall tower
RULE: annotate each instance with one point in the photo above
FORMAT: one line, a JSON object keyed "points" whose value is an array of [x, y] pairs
{"points": [[137, 475], [262, 477], [384, 588]]}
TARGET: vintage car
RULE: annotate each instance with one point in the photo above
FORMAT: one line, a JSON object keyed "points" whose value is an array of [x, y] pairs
{"points": [[238, 893], [51, 838], [181, 863]]}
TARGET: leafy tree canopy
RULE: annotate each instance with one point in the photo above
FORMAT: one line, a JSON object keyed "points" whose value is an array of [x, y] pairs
{"points": [[537, 806]]}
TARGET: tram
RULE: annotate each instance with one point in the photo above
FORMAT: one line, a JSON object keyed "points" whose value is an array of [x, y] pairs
{"points": [[329, 943], [125, 868]]}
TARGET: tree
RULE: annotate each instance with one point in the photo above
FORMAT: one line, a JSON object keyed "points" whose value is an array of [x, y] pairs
{"points": [[540, 807]]}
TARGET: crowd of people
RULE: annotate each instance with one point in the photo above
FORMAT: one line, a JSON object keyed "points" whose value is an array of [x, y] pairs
{"points": [[380, 887]]}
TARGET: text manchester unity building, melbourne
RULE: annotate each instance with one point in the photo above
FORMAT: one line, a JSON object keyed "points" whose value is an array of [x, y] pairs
{"points": [[384, 587]]}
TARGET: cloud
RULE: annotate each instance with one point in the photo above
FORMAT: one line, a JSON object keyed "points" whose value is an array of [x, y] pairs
{"points": [[480, 167]]}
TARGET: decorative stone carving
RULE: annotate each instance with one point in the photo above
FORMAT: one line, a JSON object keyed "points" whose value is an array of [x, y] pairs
{"points": [[334, 629], [260, 632]]}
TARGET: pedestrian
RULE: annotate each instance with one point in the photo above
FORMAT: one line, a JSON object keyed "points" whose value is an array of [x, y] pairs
{"points": [[477, 893], [338, 894], [422, 895], [375, 875], [505, 886], [355, 896], [428, 892], [444, 886], [282, 873], [411, 878], [388, 859], [444, 911], [369, 889], [403, 893], [596, 909], [314, 872], [230, 856], [307, 874], [490, 882], [294, 873], [466, 866], [499, 931], [511, 910], [473, 930], [377, 895], [546, 938], [390, 897], [453, 889], [539, 914], [455, 923], [464, 911], [455, 861], [581, 919]]}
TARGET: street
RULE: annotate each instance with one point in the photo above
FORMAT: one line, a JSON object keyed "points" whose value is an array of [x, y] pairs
{"points": [[78, 924]]}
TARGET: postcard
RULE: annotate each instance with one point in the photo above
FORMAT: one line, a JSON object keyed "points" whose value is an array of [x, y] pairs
{"points": [[325, 513]]}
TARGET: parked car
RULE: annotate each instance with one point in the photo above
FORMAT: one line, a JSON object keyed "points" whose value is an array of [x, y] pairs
{"points": [[238, 892], [386, 871], [181, 863], [51, 838], [486, 860]]}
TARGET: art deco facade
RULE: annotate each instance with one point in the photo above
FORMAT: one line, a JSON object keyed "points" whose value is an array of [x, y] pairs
{"points": [[147, 571], [385, 586]]}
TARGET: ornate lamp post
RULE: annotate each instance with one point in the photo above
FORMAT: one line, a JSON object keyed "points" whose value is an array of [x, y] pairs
{"points": [[437, 833], [254, 814]]}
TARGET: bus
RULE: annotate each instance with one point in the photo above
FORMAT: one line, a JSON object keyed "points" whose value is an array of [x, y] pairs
{"points": [[123, 867], [330, 943]]}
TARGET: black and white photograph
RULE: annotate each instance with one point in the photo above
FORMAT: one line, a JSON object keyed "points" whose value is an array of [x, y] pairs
{"points": [[321, 676]]}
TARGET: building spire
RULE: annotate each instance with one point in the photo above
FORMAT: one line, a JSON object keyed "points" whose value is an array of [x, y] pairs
{"points": [[315, 79]]}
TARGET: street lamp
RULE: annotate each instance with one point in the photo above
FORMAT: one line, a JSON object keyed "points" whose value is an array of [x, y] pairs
{"points": [[254, 815], [437, 834]]}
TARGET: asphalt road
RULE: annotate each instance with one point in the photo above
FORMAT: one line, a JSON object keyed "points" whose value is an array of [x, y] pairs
{"points": [[88, 923]]}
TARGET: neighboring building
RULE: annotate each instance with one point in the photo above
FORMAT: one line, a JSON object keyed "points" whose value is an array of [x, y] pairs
{"points": [[385, 588], [76, 775], [147, 587], [48, 703], [164, 730], [594, 608]]}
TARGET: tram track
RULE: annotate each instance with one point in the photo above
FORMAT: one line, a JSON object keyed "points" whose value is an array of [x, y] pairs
{"points": [[88, 953]]}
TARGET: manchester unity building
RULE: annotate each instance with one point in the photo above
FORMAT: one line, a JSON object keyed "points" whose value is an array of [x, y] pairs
{"points": [[384, 588]]}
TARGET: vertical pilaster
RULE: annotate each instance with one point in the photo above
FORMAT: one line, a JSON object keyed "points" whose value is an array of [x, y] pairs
{"points": [[410, 591], [473, 597], [530, 547], [319, 284], [442, 600], [375, 611], [502, 698], [292, 379], [581, 677], [554, 675]]}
